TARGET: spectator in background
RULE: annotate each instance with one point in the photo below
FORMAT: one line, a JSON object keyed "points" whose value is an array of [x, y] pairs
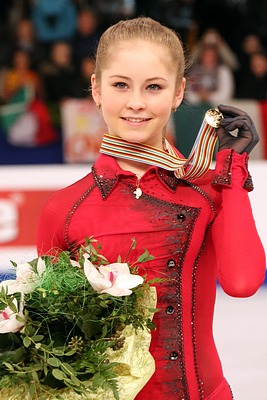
{"points": [[110, 11], [20, 74], [82, 82], [58, 73], [211, 37], [25, 40], [54, 20], [251, 44], [87, 36], [210, 80], [254, 82]]}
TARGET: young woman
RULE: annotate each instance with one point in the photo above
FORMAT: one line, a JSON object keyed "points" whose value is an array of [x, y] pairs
{"points": [[198, 230]]}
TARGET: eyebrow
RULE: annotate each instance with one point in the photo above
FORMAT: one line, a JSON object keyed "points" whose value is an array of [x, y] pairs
{"points": [[148, 80]]}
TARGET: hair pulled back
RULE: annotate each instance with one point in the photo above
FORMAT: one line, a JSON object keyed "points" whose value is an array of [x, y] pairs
{"points": [[144, 28]]}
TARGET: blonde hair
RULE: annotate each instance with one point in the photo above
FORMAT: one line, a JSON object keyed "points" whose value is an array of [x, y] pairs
{"points": [[140, 28]]}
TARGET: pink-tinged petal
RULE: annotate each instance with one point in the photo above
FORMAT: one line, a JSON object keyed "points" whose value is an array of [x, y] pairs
{"points": [[5, 315], [128, 281], [41, 267], [10, 325], [96, 280], [108, 272], [75, 263], [121, 268], [116, 291], [11, 286], [8, 320]]}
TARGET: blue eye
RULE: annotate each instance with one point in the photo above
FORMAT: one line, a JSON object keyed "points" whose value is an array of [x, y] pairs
{"points": [[120, 85], [154, 86]]}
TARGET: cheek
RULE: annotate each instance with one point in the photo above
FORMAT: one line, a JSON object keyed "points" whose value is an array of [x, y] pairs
{"points": [[110, 107], [163, 106]]}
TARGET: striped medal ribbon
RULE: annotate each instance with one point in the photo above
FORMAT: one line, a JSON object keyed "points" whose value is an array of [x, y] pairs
{"points": [[196, 165]]}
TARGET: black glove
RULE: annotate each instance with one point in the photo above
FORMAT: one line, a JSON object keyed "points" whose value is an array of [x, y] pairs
{"points": [[247, 136]]}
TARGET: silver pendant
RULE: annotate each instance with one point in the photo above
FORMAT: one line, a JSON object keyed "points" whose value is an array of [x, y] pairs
{"points": [[138, 193]]}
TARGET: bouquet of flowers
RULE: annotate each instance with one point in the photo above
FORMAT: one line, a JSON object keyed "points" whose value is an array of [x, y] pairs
{"points": [[76, 328]]}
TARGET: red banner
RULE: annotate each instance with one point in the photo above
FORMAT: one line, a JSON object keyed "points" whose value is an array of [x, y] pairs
{"points": [[19, 213]]}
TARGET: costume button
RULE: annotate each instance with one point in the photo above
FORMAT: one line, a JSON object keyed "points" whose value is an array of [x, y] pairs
{"points": [[171, 263], [174, 356], [169, 310], [181, 217]]}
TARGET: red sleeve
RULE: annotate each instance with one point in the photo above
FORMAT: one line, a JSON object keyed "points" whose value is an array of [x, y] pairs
{"points": [[239, 252], [50, 229], [54, 217]]}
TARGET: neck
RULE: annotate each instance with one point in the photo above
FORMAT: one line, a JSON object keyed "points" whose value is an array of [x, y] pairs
{"points": [[135, 167]]}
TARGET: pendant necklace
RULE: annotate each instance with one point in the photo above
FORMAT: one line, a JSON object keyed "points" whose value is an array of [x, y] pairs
{"points": [[138, 191]]}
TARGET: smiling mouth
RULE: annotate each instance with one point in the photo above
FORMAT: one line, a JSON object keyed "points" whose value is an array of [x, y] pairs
{"points": [[136, 120]]}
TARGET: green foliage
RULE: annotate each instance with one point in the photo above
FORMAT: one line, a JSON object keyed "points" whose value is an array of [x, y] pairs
{"points": [[69, 328]]}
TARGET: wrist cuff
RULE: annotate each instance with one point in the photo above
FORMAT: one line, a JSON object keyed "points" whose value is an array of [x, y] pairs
{"points": [[226, 160]]}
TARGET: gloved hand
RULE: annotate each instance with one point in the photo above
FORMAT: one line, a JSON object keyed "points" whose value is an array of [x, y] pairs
{"points": [[247, 136]]}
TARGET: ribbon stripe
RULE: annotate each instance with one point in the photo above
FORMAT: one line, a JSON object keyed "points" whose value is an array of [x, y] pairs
{"points": [[195, 166]]}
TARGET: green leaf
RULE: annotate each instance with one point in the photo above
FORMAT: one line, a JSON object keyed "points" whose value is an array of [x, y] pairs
{"points": [[90, 368], [32, 389], [104, 331], [45, 370], [38, 346], [29, 330], [14, 263], [53, 362], [11, 305], [75, 380], [67, 368], [20, 319], [9, 366], [145, 257], [70, 353], [35, 376], [58, 374], [18, 355], [26, 341], [37, 338], [154, 310], [59, 352]]}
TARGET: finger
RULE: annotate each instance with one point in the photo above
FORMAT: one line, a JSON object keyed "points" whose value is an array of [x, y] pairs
{"points": [[239, 123], [250, 147], [231, 111]]}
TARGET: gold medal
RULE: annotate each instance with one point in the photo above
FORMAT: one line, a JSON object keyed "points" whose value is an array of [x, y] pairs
{"points": [[213, 117]]}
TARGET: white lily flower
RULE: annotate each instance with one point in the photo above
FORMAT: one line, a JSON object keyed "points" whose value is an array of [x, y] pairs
{"points": [[26, 278], [114, 279], [75, 263], [8, 320], [41, 267]]}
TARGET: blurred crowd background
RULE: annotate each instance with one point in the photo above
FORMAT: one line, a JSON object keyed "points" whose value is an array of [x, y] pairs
{"points": [[47, 52]]}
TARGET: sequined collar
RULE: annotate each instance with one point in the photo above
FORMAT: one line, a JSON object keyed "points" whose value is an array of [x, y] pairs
{"points": [[107, 174]]}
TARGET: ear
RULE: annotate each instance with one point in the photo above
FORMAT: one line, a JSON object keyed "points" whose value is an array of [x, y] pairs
{"points": [[96, 92], [179, 94]]}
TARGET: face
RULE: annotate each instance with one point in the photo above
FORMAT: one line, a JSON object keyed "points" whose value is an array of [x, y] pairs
{"points": [[258, 65], [61, 54], [209, 58], [137, 92]]}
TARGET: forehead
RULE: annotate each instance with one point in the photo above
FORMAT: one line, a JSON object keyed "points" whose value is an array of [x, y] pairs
{"points": [[138, 53]]}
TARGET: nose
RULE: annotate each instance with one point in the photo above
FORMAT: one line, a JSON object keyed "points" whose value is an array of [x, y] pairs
{"points": [[136, 101]]}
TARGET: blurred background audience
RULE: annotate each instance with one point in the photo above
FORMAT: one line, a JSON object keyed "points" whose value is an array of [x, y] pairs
{"points": [[49, 45], [210, 79]]}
